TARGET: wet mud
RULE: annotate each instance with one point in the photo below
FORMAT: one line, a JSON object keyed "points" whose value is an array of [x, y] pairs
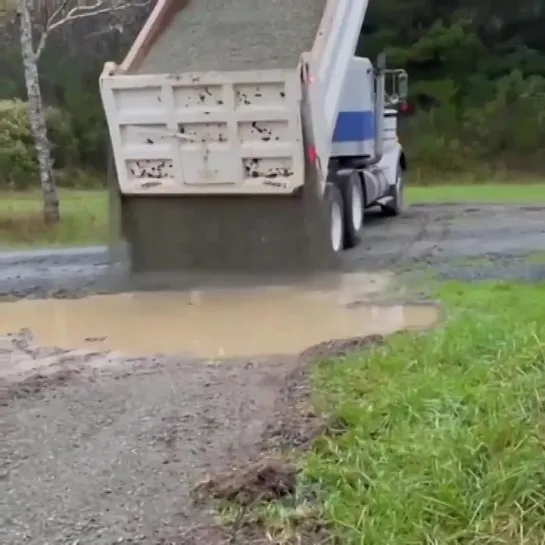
{"points": [[100, 447]]}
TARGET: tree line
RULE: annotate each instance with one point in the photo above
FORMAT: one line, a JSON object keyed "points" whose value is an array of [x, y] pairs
{"points": [[476, 68]]}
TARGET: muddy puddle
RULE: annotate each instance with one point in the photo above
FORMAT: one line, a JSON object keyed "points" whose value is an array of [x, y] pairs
{"points": [[213, 323]]}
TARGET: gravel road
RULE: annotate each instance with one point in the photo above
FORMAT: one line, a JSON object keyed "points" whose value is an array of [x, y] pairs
{"points": [[107, 449], [458, 240], [111, 456]]}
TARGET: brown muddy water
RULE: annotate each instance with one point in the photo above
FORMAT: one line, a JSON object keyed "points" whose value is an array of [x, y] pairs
{"points": [[214, 323]]}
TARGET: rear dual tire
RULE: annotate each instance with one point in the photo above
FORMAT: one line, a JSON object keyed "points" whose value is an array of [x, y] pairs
{"points": [[335, 210], [354, 206], [346, 204]]}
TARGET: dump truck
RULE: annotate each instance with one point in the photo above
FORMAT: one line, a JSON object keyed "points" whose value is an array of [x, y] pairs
{"points": [[247, 136]]}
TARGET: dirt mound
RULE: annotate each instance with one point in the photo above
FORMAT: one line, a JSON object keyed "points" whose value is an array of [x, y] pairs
{"points": [[340, 348], [296, 424], [266, 480]]}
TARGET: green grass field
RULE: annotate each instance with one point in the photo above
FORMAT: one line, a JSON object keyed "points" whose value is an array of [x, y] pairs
{"points": [[496, 193], [84, 219], [443, 433], [85, 216]]}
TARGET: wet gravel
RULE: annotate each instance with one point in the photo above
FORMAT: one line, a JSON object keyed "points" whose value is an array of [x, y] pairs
{"points": [[465, 242], [458, 242], [102, 449], [235, 35], [110, 453]]}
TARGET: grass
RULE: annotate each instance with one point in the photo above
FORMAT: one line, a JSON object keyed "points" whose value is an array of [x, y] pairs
{"points": [[84, 219], [443, 433], [85, 216], [496, 193]]}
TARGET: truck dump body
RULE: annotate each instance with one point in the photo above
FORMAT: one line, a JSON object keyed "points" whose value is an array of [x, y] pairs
{"points": [[206, 117], [216, 35]]}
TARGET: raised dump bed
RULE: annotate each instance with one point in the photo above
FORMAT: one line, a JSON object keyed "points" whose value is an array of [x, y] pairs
{"points": [[219, 35]]}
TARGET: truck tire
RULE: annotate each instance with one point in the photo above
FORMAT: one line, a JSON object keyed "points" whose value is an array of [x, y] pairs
{"points": [[354, 209], [336, 220], [395, 207]]}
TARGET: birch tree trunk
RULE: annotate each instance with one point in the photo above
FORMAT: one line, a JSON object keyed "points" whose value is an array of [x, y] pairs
{"points": [[36, 113]]}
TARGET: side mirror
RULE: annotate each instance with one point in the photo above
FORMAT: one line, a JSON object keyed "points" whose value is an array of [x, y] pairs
{"points": [[403, 85], [381, 61]]}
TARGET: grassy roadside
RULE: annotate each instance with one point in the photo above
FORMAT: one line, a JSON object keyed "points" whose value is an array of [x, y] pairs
{"points": [[443, 433], [84, 219], [481, 193], [85, 212]]}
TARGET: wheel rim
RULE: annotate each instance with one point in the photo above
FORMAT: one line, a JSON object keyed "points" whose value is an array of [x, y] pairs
{"points": [[336, 227], [357, 207]]}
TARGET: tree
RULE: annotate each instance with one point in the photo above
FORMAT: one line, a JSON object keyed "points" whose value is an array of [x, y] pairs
{"points": [[64, 13]]}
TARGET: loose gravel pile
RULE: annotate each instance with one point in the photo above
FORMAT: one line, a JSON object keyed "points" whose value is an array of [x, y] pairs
{"points": [[235, 35]]}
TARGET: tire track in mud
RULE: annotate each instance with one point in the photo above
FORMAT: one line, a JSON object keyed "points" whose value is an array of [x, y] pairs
{"points": [[110, 454], [458, 241], [421, 245]]}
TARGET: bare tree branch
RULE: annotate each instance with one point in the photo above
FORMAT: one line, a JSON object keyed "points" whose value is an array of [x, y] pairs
{"points": [[64, 14], [47, 26]]}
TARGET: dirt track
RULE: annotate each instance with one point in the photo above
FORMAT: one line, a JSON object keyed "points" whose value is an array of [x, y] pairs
{"points": [[110, 455], [462, 241]]}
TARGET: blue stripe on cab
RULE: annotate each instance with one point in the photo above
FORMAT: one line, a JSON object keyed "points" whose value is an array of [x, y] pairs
{"points": [[354, 127]]}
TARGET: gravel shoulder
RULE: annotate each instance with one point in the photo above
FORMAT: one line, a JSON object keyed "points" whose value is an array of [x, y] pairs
{"points": [[107, 449]]}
